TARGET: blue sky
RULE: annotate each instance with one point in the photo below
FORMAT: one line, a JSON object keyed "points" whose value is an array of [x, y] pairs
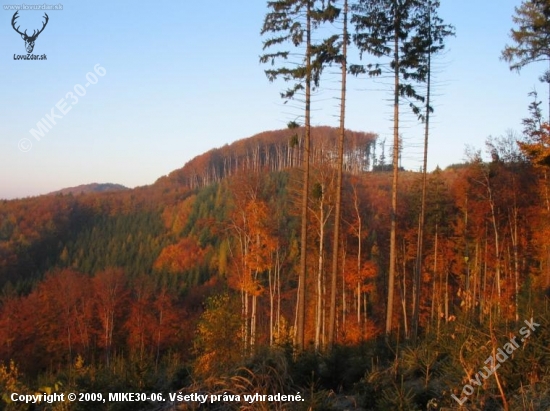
{"points": [[184, 77]]}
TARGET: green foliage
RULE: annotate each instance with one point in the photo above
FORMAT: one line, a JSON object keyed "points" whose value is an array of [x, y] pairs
{"points": [[344, 366], [532, 125], [290, 22], [218, 338], [209, 208], [317, 191], [531, 36], [10, 382], [397, 398], [412, 26], [130, 241], [292, 125]]}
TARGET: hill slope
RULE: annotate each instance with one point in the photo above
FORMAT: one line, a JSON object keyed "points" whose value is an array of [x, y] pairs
{"points": [[90, 188]]}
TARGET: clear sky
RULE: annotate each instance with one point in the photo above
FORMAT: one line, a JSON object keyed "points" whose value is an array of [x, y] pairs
{"points": [[184, 77]]}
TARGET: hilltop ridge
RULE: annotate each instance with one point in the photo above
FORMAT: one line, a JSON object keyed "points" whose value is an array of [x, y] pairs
{"points": [[274, 150]]}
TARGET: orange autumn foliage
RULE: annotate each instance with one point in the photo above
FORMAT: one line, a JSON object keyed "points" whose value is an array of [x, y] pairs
{"points": [[185, 255]]}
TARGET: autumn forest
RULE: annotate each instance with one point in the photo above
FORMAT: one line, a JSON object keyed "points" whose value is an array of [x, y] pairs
{"points": [[305, 259]]}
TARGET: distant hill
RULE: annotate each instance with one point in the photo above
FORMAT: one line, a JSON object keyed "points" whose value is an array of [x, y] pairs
{"points": [[90, 188]]}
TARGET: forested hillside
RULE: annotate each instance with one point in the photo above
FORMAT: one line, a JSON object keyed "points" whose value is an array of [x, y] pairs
{"points": [[113, 288]]}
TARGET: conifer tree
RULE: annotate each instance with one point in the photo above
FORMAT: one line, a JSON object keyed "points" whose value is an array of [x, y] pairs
{"points": [[384, 29], [531, 37], [342, 58], [428, 40], [292, 22]]}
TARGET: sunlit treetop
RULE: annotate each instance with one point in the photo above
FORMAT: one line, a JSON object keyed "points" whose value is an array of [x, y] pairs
{"points": [[531, 36]]}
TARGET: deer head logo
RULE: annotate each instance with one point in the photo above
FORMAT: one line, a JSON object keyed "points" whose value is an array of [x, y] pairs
{"points": [[29, 40]]}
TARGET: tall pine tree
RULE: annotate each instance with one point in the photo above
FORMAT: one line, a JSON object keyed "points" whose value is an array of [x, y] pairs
{"points": [[292, 22], [427, 41], [341, 56], [384, 29]]}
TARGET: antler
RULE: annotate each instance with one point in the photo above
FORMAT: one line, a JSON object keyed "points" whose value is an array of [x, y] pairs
{"points": [[43, 27], [15, 16], [34, 34]]}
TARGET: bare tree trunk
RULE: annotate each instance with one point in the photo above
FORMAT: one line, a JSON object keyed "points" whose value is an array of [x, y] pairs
{"points": [[435, 276], [318, 316], [359, 254], [161, 317], [359, 233], [494, 342], [404, 294], [467, 262], [253, 322], [484, 291], [295, 331], [246, 322], [497, 243], [344, 307], [447, 295], [393, 211], [513, 221], [278, 288], [338, 212], [271, 305], [418, 273], [476, 268], [301, 309]]}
